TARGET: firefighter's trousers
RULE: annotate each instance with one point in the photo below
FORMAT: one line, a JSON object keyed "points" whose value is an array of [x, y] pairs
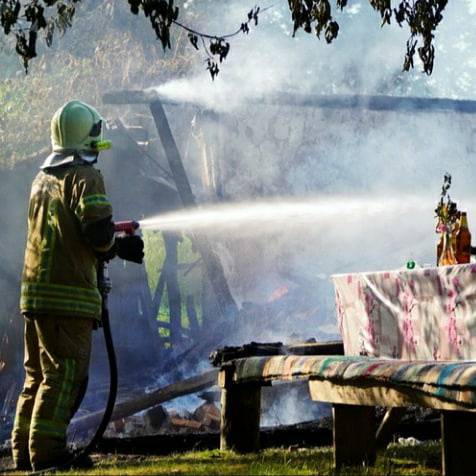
{"points": [[57, 353]]}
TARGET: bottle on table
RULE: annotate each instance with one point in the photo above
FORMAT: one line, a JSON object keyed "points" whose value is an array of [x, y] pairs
{"points": [[463, 241], [455, 231]]}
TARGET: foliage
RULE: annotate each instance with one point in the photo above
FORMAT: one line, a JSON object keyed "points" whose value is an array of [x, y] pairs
{"points": [[154, 256], [26, 20], [446, 211], [421, 16], [75, 68], [163, 14], [190, 277]]}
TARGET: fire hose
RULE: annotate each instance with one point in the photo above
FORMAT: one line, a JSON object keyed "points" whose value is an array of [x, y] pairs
{"points": [[104, 286]]}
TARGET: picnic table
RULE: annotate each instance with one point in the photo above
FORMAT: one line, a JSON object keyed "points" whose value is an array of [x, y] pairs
{"points": [[408, 338]]}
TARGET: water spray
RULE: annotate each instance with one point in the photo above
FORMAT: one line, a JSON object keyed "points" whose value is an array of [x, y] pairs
{"points": [[285, 211]]}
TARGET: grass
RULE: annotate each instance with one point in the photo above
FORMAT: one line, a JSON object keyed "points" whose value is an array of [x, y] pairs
{"points": [[397, 460]]}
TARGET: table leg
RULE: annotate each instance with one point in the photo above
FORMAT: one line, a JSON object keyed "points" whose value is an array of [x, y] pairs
{"points": [[458, 443], [354, 435]]}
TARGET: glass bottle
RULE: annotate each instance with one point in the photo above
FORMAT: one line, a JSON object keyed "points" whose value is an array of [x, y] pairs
{"points": [[463, 241]]}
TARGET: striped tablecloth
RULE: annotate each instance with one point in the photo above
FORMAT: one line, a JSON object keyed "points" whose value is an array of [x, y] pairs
{"points": [[451, 381]]}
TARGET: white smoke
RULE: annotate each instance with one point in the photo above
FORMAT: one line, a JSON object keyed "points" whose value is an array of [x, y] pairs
{"points": [[277, 152], [270, 152], [364, 59]]}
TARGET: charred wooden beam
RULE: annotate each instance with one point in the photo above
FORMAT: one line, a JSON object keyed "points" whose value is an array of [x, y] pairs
{"points": [[335, 347], [172, 153], [132, 406], [333, 101], [373, 103], [309, 434], [130, 96], [173, 288], [226, 303], [227, 353], [220, 356]]}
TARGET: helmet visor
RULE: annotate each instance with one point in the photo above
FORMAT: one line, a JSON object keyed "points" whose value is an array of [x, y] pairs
{"points": [[96, 129]]}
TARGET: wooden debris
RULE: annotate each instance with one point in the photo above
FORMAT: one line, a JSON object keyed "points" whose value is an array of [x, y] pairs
{"points": [[185, 424], [157, 420], [225, 354], [155, 417], [132, 406], [210, 396], [335, 347], [209, 415]]}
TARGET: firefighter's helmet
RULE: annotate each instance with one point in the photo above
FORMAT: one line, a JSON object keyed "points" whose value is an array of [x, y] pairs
{"points": [[76, 127]]}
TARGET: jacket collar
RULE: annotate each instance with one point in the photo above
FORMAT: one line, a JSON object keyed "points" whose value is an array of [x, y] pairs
{"points": [[55, 159]]}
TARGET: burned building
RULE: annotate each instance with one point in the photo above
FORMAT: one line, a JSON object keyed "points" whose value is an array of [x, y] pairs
{"points": [[264, 276]]}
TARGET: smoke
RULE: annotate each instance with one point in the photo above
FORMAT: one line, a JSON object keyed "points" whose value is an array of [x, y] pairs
{"points": [[364, 59], [285, 405], [263, 152], [374, 177]]}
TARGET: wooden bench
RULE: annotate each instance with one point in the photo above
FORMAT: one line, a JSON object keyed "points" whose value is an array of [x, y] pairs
{"points": [[354, 386]]}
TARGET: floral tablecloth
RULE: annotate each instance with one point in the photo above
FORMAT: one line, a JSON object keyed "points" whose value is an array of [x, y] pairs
{"points": [[421, 314]]}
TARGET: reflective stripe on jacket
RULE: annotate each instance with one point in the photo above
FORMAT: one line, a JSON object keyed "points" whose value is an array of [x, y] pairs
{"points": [[59, 274]]}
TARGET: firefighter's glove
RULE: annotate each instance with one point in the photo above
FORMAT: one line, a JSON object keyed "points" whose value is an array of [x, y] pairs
{"points": [[130, 248]]}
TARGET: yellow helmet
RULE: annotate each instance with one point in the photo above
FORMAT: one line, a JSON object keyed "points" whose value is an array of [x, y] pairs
{"points": [[76, 127]]}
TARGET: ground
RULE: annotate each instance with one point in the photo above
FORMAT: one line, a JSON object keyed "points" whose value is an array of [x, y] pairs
{"points": [[422, 459]]}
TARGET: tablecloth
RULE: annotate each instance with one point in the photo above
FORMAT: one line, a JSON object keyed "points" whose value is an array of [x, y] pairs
{"points": [[420, 314]]}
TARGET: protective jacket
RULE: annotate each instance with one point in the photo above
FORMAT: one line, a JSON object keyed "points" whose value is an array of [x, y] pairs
{"points": [[59, 274]]}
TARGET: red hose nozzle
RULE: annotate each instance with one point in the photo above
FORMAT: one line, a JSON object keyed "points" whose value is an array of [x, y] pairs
{"points": [[128, 227]]}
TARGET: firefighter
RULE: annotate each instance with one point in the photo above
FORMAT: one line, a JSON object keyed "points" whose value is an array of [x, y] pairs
{"points": [[69, 226]]}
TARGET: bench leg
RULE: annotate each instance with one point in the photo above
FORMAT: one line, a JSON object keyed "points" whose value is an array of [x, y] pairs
{"points": [[240, 417], [354, 435], [458, 443]]}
